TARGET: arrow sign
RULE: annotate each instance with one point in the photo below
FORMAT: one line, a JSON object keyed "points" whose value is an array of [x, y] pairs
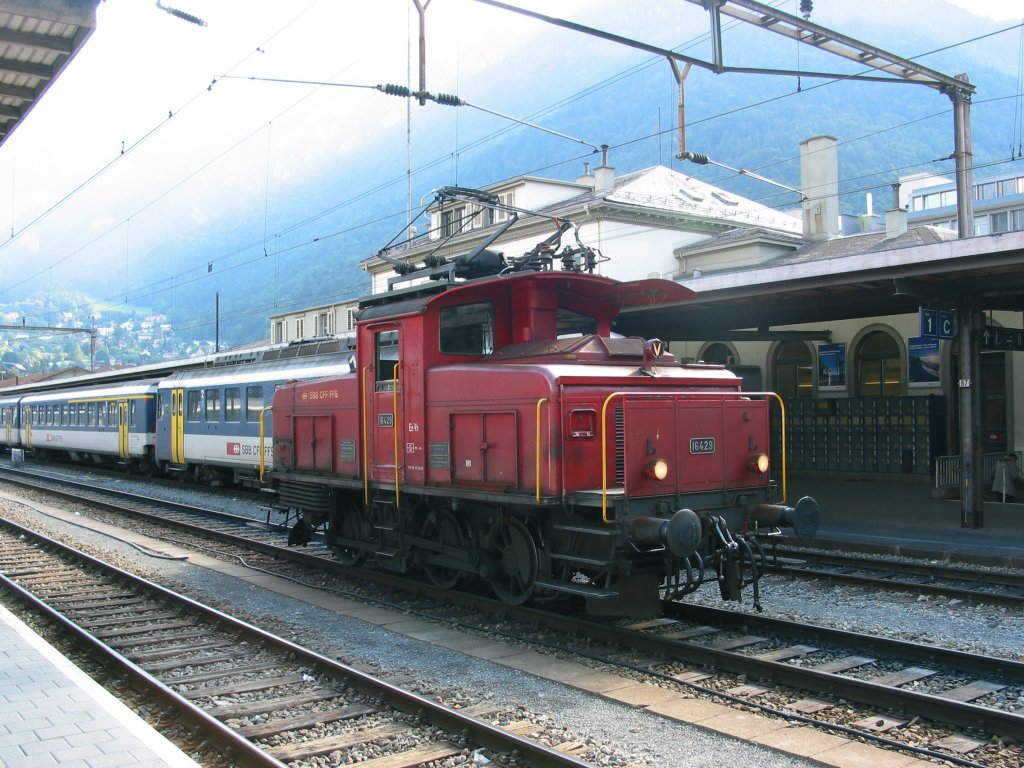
{"points": [[1011, 339]]}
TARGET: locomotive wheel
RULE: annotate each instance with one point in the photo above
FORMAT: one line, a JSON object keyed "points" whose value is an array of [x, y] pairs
{"points": [[444, 528], [517, 563], [346, 523]]}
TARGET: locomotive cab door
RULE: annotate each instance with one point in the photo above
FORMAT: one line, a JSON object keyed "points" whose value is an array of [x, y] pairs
{"points": [[122, 429], [382, 382], [177, 426]]}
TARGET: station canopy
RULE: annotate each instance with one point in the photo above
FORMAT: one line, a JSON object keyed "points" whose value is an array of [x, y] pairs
{"points": [[37, 40]]}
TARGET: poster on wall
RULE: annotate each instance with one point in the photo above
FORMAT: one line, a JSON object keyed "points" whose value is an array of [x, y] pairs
{"points": [[924, 362], [831, 367]]}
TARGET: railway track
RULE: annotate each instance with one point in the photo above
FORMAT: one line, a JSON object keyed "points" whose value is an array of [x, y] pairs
{"points": [[956, 582], [259, 699], [808, 674]]}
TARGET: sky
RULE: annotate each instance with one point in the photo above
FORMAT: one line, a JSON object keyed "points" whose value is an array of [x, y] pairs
{"points": [[157, 126]]}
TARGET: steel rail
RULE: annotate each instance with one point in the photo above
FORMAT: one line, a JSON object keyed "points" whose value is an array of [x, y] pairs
{"points": [[449, 720], [943, 710]]}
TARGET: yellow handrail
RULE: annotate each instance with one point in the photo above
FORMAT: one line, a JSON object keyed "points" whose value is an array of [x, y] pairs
{"points": [[366, 449], [263, 436], [394, 425], [723, 395], [537, 465]]}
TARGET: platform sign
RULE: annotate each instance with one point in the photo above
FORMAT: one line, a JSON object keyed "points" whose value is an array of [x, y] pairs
{"points": [[937, 323], [1011, 339]]}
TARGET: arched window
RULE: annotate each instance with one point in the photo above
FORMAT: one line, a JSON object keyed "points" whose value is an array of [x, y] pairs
{"points": [[878, 366], [793, 371], [718, 354]]}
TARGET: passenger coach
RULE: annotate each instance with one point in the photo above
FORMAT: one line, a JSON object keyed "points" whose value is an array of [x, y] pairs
{"points": [[102, 424], [212, 424]]}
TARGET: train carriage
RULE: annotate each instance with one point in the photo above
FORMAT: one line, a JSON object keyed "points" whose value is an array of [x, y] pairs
{"points": [[100, 424], [213, 424]]}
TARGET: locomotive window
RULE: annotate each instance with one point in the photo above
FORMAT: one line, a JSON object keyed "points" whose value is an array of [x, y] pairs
{"points": [[574, 323], [194, 405], [253, 402], [213, 405], [386, 359], [232, 404], [468, 329]]}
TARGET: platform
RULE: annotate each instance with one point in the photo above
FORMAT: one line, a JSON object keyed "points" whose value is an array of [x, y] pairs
{"points": [[900, 514], [53, 714]]}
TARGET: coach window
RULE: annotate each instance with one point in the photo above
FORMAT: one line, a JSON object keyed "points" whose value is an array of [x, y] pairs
{"points": [[131, 414], [213, 405], [253, 402], [194, 404], [386, 343], [112, 413], [83, 413], [90, 414], [467, 329], [232, 404], [878, 366]]}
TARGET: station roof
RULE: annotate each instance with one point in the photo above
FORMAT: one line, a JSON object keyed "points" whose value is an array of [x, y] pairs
{"points": [[844, 279], [37, 40]]}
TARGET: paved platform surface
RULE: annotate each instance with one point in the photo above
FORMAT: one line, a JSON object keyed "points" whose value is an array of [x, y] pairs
{"points": [[53, 714], [900, 513]]}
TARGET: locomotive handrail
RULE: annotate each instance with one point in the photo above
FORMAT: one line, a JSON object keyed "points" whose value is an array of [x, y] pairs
{"points": [[394, 425], [670, 393], [263, 437], [366, 448], [540, 403]]}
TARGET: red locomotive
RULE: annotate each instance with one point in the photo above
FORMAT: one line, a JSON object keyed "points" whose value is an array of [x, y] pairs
{"points": [[496, 427]]}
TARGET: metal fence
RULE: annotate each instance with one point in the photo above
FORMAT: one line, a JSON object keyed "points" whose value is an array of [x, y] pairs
{"points": [[947, 468]]}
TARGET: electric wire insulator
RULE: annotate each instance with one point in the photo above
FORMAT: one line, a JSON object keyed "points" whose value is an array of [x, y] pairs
{"points": [[806, 6], [448, 100], [395, 90], [696, 157]]}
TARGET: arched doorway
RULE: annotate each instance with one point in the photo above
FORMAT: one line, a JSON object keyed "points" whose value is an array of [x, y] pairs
{"points": [[793, 371], [879, 366]]}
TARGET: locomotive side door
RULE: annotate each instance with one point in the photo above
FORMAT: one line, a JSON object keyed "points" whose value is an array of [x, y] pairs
{"points": [[382, 387], [122, 429], [178, 426]]}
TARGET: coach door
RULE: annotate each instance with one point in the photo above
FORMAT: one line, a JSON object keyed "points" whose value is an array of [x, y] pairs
{"points": [[28, 428], [177, 426], [383, 388], [122, 429]]}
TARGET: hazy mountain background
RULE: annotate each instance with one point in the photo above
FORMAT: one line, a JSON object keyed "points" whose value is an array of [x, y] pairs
{"points": [[299, 244]]}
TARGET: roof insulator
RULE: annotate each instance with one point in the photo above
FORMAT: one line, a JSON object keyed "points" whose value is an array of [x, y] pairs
{"points": [[806, 6]]}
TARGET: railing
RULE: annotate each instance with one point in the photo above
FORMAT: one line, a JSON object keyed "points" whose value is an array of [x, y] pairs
{"points": [[947, 468]]}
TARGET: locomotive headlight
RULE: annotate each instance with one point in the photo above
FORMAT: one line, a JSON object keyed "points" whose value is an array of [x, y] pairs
{"points": [[656, 469], [759, 463]]}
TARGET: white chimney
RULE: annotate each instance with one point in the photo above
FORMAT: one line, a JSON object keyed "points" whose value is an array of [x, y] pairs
{"points": [[895, 223], [587, 178], [604, 174], [819, 180]]}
